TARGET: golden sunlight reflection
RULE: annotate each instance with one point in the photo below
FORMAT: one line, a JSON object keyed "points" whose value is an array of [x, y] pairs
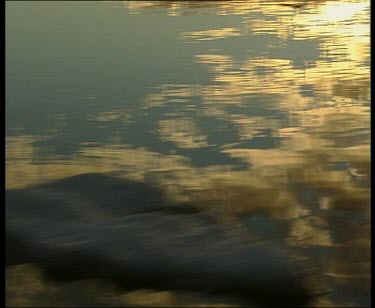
{"points": [[210, 35], [179, 131], [291, 117], [87, 293]]}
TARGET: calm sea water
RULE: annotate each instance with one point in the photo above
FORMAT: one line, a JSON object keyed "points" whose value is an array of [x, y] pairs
{"points": [[259, 110]]}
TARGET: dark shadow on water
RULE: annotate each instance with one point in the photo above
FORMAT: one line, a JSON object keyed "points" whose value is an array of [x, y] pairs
{"points": [[95, 226]]}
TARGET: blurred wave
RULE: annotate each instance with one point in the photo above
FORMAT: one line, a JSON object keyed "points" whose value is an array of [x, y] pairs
{"points": [[97, 226]]}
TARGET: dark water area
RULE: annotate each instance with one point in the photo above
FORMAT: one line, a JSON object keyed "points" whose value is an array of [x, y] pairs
{"points": [[214, 131], [126, 231]]}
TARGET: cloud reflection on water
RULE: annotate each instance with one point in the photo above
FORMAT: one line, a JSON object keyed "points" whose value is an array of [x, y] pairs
{"points": [[298, 108]]}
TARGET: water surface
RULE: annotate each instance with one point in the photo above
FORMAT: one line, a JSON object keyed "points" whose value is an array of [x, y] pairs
{"points": [[258, 111]]}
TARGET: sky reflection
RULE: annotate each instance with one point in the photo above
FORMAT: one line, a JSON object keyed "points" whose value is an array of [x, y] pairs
{"points": [[268, 119]]}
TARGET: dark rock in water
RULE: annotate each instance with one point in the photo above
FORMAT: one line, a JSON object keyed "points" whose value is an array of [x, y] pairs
{"points": [[97, 226]]}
